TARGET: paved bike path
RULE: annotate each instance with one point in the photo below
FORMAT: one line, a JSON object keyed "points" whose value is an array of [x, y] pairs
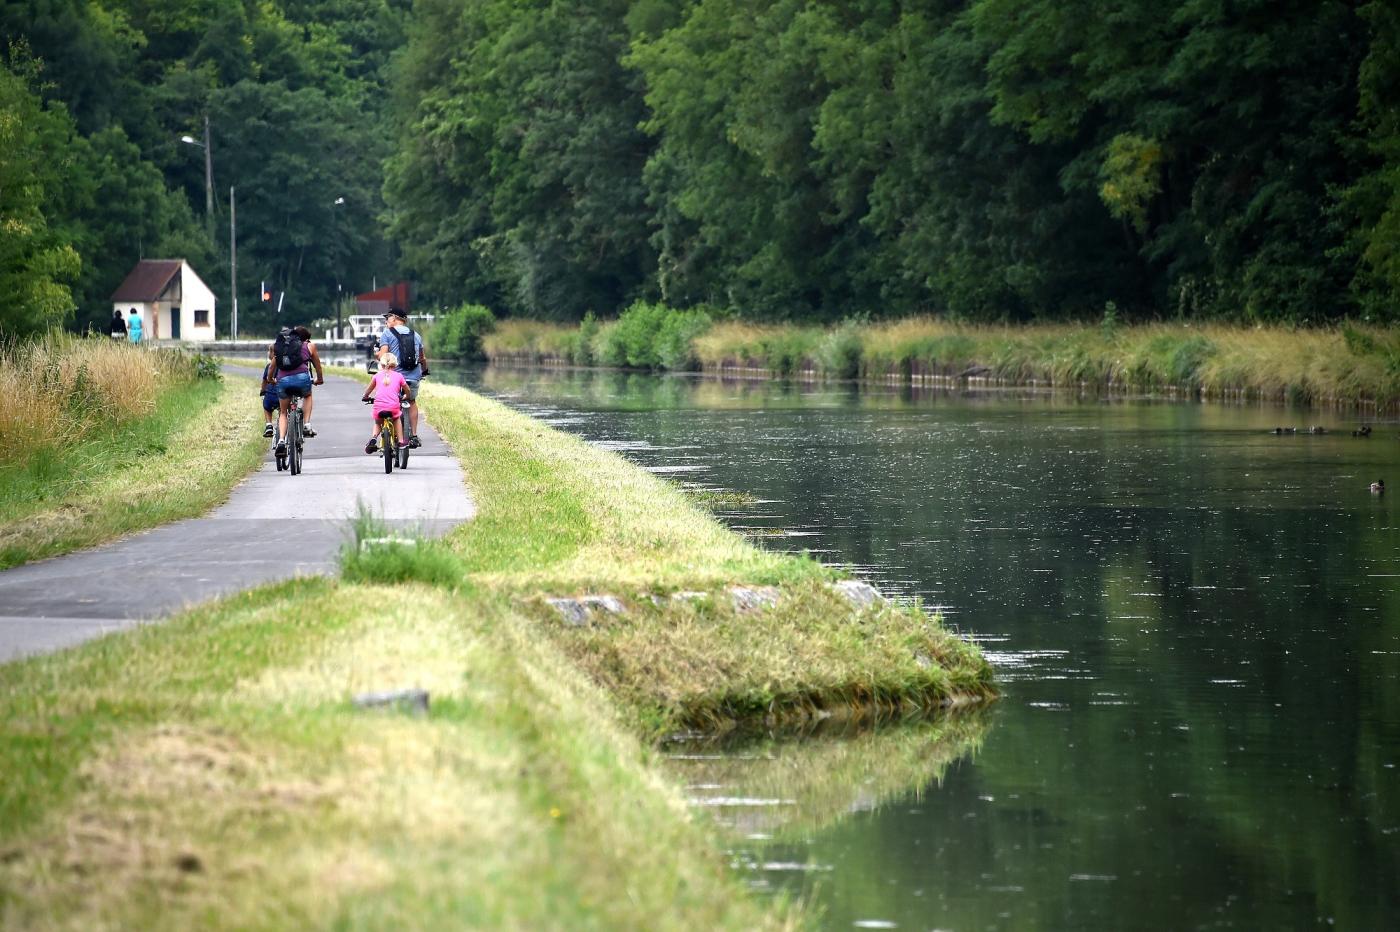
{"points": [[274, 526]]}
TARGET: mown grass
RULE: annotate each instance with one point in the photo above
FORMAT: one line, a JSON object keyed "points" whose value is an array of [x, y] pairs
{"points": [[1349, 365], [179, 455], [212, 772]]}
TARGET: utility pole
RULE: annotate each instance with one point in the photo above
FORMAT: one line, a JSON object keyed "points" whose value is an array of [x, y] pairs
{"points": [[208, 180], [233, 260], [335, 227]]}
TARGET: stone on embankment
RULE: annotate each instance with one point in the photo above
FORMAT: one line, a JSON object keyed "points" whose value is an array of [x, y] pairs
{"points": [[753, 598], [578, 612], [859, 593], [411, 700]]}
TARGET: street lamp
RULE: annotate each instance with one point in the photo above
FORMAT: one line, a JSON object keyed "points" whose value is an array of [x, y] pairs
{"points": [[208, 174], [339, 333], [208, 148]]}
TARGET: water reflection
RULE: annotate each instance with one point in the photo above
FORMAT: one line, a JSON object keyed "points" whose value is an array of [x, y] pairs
{"points": [[1196, 621]]}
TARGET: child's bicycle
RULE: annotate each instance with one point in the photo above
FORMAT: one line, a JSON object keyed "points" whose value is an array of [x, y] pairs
{"points": [[393, 455], [289, 458]]}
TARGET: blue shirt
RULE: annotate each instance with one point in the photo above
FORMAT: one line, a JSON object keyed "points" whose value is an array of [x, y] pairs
{"points": [[390, 338]]}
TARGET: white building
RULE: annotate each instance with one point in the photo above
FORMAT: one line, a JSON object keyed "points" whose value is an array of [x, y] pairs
{"points": [[174, 303]]}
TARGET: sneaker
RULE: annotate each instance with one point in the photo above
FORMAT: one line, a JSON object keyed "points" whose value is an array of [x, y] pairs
{"points": [[267, 430], [306, 431], [282, 447], [372, 446], [414, 443]]}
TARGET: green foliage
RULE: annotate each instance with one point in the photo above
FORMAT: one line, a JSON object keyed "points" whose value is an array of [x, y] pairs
{"points": [[293, 90], [653, 336], [517, 179], [37, 262], [839, 354], [459, 332]]}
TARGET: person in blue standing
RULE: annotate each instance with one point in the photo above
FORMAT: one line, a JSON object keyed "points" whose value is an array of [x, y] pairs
{"points": [[407, 346], [133, 326]]}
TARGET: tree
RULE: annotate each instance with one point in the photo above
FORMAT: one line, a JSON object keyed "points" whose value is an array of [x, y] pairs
{"points": [[37, 264]]}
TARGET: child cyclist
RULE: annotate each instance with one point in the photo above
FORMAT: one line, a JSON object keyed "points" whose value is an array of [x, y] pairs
{"points": [[268, 391], [389, 389]]}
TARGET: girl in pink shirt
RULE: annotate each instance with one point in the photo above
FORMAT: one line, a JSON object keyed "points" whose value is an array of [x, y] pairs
{"points": [[389, 390]]}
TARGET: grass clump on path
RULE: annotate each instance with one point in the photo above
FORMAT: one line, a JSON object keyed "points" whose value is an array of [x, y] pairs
{"points": [[119, 439]]}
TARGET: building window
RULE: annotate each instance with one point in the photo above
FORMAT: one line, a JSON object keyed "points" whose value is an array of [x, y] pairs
{"points": [[201, 318]]}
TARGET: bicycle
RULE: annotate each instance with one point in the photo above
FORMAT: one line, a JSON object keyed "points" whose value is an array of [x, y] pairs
{"points": [[388, 446], [289, 456]]}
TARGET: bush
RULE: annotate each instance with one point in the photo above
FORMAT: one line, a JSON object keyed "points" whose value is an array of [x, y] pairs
{"points": [[839, 354], [583, 354], [459, 333], [653, 336]]}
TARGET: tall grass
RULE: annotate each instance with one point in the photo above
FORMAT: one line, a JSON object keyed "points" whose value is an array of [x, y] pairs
{"points": [[1352, 365], [64, 389]]}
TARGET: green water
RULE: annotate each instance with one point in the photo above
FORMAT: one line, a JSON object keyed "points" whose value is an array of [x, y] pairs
{"points": [[1196, 624]]}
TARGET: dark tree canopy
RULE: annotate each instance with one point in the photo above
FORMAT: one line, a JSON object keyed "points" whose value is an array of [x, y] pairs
{"points": [[776, 159]]}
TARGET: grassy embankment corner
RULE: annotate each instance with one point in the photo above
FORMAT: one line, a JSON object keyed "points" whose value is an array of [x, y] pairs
{"points": [[117, 439], [213, 771]]}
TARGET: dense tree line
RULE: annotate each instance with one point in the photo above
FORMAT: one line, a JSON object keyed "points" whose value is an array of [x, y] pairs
{"points": [[988, 159], [94, 97]]}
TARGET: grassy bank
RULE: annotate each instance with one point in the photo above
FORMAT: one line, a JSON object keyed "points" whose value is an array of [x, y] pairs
{"points": [[117, 439], [1351, 365], [212, 771]]}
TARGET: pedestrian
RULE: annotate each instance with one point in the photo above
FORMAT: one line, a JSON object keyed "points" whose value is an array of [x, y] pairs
{"points": [[133, 326], [407, 348], [116, 327]]}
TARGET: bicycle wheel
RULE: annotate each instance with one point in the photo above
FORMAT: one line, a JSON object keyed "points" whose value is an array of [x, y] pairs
{"points": [[294, 440], [386, 443]]}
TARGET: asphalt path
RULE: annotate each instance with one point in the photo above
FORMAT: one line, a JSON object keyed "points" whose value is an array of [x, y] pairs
{"points": [[274, 526]]}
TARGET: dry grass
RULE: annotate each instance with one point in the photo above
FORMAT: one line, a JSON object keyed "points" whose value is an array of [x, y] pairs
{"points": [[132, 485], [530, 341], [75, 386]]}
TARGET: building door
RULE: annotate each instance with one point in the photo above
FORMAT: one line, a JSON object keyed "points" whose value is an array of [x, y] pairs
{"points": [[174, 323]]}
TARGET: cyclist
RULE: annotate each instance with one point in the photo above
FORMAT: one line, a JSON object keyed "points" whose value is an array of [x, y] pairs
{"points": [[388, 388], [268, 392], [407, 347], [293, 354]]}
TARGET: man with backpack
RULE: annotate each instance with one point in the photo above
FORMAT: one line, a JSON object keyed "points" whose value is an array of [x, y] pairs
{"points": [[292, 355], [399, 338]]}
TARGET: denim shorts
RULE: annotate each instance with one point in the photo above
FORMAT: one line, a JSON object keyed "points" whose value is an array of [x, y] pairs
{"points": [[412, 389], [299, 383], [269, 401]]}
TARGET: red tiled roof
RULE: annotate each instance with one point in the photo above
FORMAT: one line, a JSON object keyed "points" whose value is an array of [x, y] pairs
{"points": [[147, 280]]}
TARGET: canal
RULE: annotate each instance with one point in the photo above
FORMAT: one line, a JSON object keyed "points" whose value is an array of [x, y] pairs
{"points": [[1195, 622]]}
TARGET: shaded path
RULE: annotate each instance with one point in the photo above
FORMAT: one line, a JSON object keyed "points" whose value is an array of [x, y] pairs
{"points": [[273, 526]]}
